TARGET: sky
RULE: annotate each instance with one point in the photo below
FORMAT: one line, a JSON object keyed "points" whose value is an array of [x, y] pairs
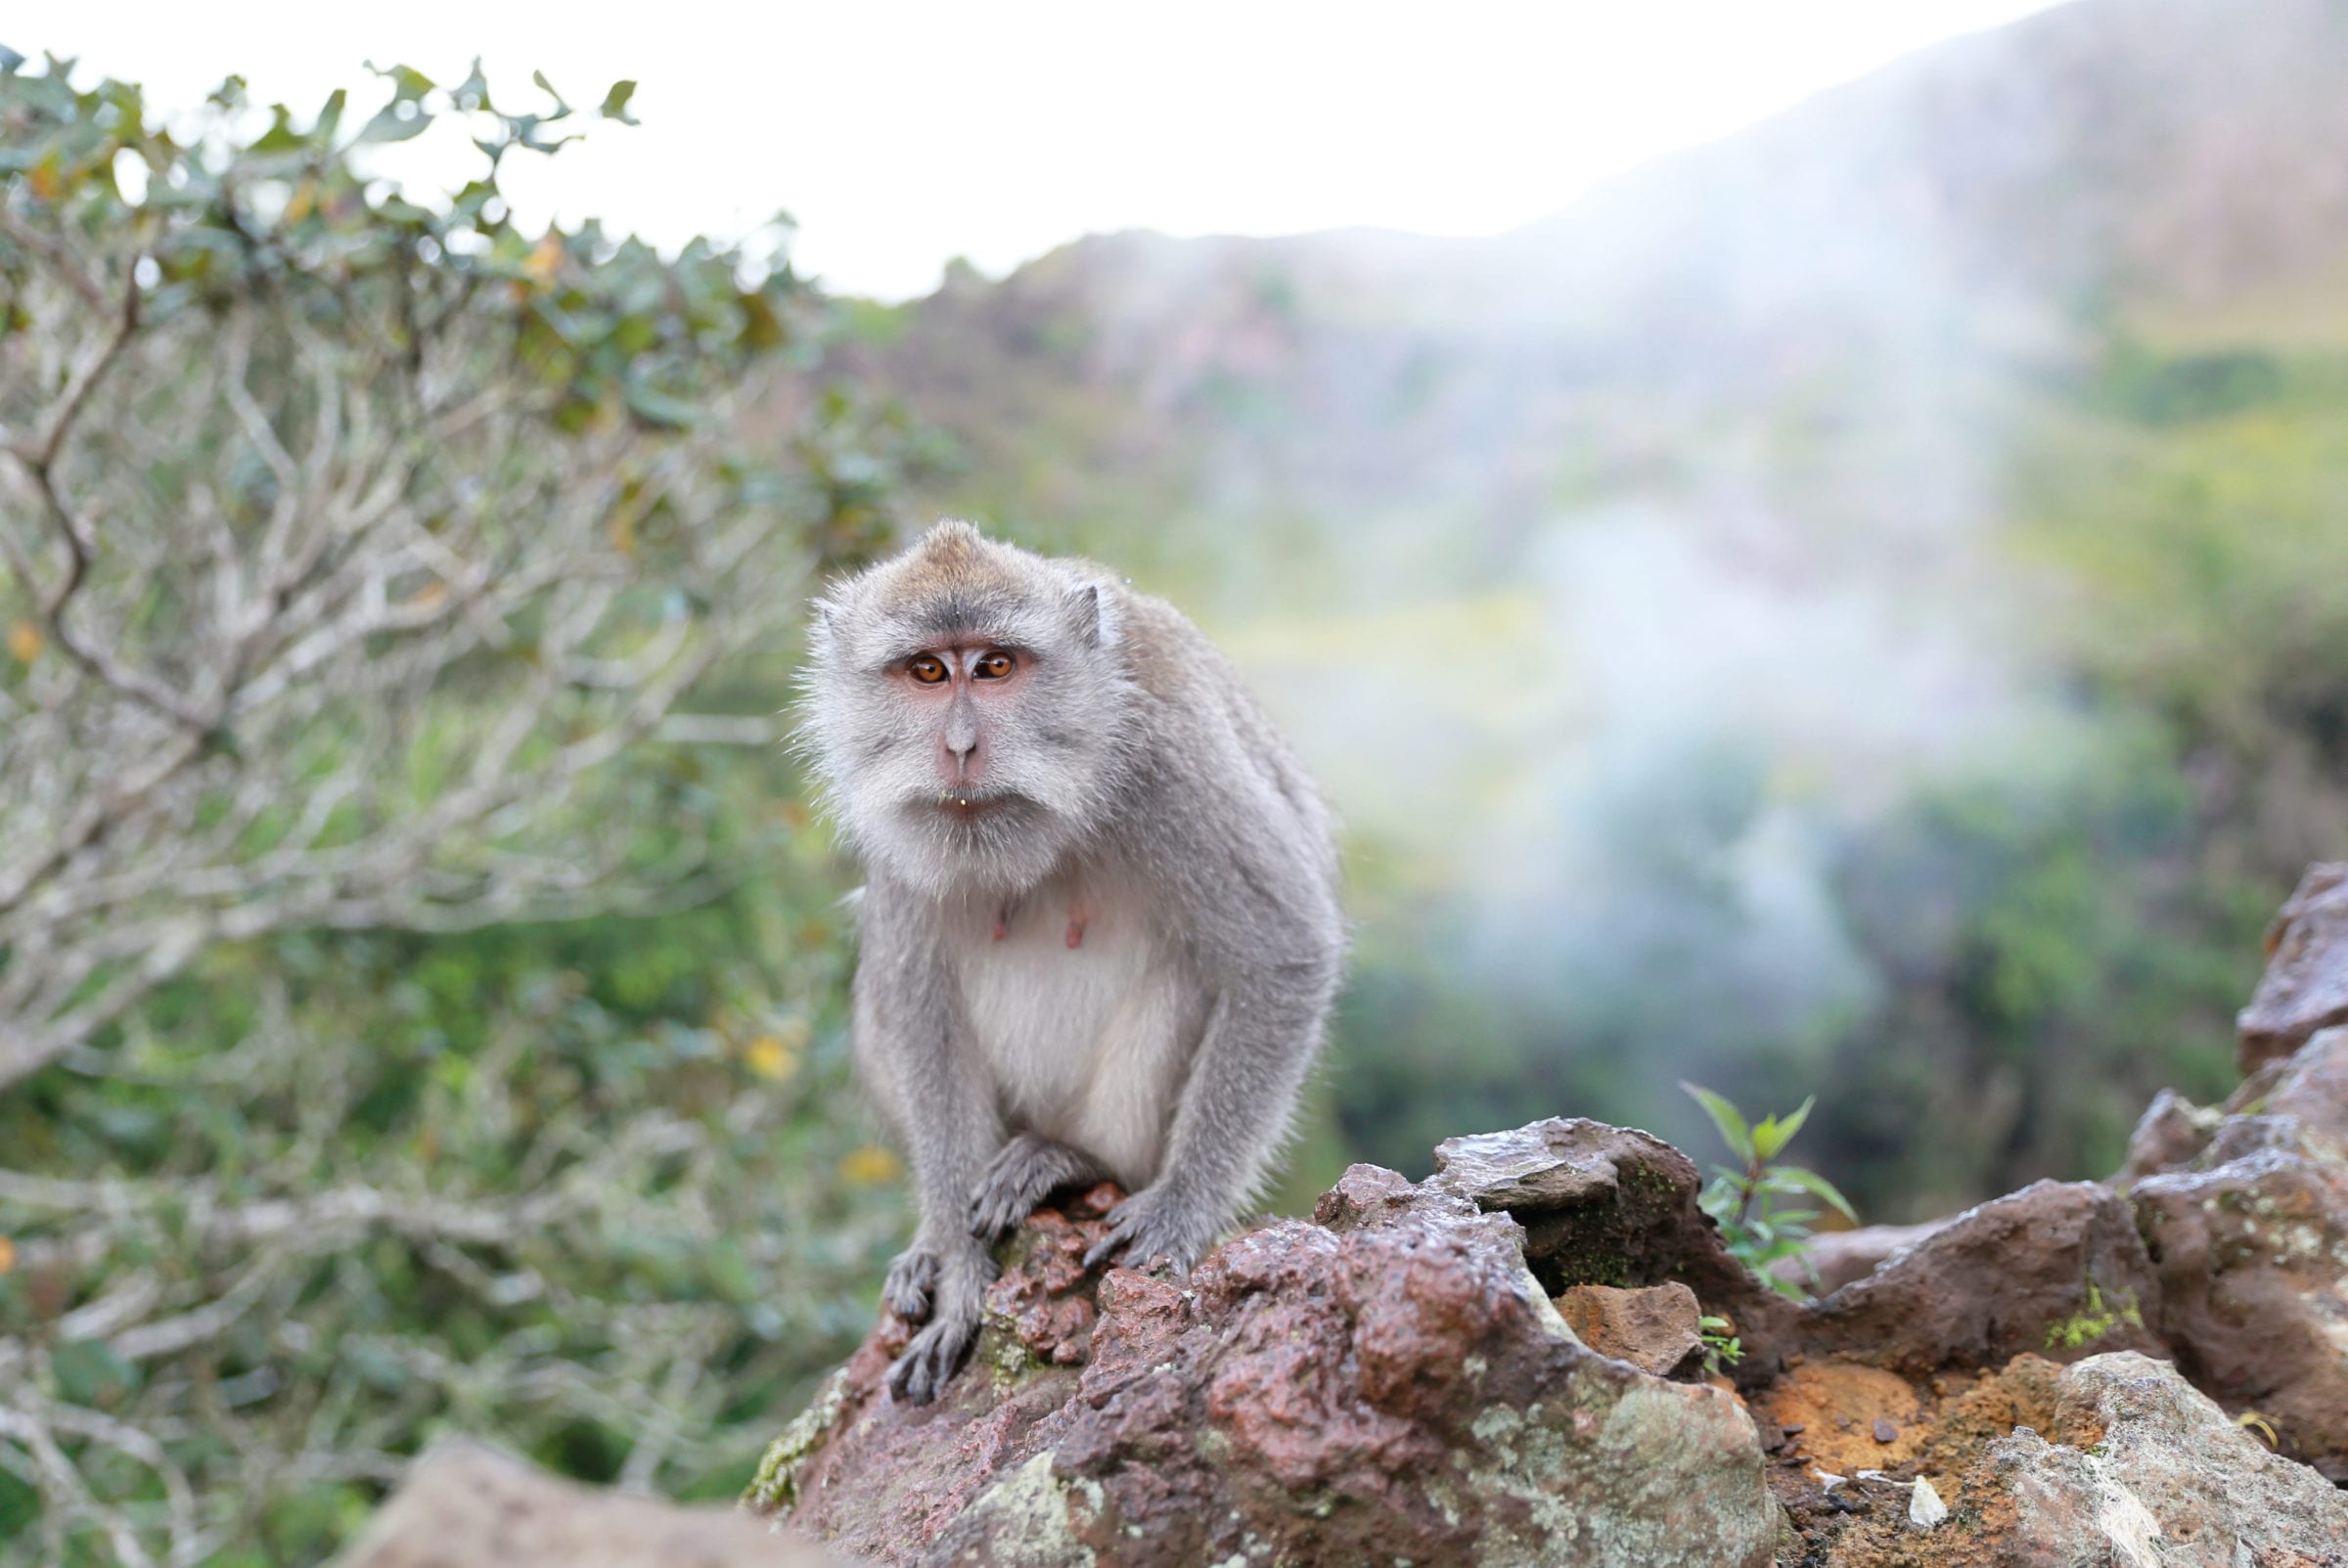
{"points": [[901, 135]]}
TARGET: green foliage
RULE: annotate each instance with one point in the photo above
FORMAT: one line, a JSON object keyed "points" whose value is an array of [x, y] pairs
{"points": [[1760, 1205], [1723, 1348], [351, 1161]]}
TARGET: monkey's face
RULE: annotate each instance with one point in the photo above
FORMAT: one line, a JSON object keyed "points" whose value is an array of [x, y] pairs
{"points": [[970, 738]]}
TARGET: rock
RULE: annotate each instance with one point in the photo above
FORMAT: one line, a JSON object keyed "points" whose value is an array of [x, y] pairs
{"points": [[1833, 1259], [2114, 1461], [2306, 984], [1387, 1382], [1656, 1329], [2137, 1469], [468, 1506], [2252, 1250], [2172, 1132], [1608, 1206], [2312, 1085], [2057, 1269]]}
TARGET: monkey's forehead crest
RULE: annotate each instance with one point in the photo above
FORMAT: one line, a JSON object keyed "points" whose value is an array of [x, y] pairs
{"points": [[955, 583]]}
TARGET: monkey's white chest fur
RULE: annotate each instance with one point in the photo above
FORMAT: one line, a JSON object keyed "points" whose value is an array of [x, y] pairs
{"points": [[1078, 1007]]}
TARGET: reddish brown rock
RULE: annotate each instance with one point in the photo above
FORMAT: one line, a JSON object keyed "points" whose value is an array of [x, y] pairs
{"points": [[1656, 1329], [2306, 984], [2172, 1132], [1390, 1384], [1610, 1206], [2252, 1249], [2054, 1268], [2312, 1086], [1833, 1259]]}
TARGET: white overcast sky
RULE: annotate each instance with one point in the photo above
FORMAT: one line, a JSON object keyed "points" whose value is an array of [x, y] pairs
{"points": [[902, 134]]}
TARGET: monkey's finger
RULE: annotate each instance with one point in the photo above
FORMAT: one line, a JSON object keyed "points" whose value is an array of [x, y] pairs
{"points": [[1107, 1246], [920, 1374], [911, 1280]]}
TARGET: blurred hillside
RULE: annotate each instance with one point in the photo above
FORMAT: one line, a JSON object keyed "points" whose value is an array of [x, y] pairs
{"points": [[1852, 608]]}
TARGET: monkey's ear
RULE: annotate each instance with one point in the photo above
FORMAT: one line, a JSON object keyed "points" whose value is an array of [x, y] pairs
{"points": [[823, 625], [1091, 615]]}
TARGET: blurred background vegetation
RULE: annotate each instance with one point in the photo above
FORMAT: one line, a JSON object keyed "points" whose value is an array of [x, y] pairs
{"points": [[1853, 610]]}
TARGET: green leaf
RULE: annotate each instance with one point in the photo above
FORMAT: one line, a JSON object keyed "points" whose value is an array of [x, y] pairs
{"points": [[1726, 1117], [1818, 1186], [387, 126], [473, 91], [1772, 1134], [548, 88], [281, 136], [615, 102], [407, 83], [90, 1372]]}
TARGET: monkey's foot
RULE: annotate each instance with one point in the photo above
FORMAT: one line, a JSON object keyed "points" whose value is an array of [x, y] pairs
{"points": [[912, 1281], [1022, 1175], [928, 1364], [1152, 1224]]}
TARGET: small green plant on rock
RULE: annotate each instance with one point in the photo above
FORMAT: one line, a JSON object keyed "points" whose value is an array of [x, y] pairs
{"points": [[1763, 1209], [1723, 1348]]}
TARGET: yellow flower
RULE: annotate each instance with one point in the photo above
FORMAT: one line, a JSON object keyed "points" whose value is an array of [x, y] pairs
{"points": [[869, 1166], [26, 641], [769, 1057]]}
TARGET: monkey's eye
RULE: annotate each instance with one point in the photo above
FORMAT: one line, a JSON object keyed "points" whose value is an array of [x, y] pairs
{"points": [[992, 666], [927, 668]]}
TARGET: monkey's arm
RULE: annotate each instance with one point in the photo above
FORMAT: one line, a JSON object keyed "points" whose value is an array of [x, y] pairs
{"points": [[1273, 988], [930, 1085]]}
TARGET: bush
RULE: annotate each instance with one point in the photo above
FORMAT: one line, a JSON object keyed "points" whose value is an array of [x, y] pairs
{"points": [[359, 560]]}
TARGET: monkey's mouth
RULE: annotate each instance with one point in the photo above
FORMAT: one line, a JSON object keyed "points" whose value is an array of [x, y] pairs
{"points": [[972, 806]]}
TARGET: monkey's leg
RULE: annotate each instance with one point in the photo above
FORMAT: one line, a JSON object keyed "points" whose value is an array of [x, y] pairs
{"points": [[932, 1086], [1234, 1108], [1023, 1174]]}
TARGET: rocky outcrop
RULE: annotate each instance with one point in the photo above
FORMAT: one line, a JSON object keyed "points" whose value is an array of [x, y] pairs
{"points": [[2056, 1269], [1504, 1364], [2306, 984], [2250, 1238], [1603, 1205], [1385, 1382]]}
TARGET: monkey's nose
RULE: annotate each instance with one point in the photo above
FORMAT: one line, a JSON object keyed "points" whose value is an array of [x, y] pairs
{"points": [[957, 758]]}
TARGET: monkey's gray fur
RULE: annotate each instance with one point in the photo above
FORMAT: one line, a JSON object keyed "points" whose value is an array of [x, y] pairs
{"points": [[1101, 933]]}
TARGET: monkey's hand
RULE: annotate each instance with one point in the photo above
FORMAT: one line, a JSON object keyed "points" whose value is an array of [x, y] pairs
{"points": [[1157, 1222], [1022, 1175], [947, 1286]]}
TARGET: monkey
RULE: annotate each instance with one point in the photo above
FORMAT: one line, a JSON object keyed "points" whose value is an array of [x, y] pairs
{"points": [[1099, 936]]}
